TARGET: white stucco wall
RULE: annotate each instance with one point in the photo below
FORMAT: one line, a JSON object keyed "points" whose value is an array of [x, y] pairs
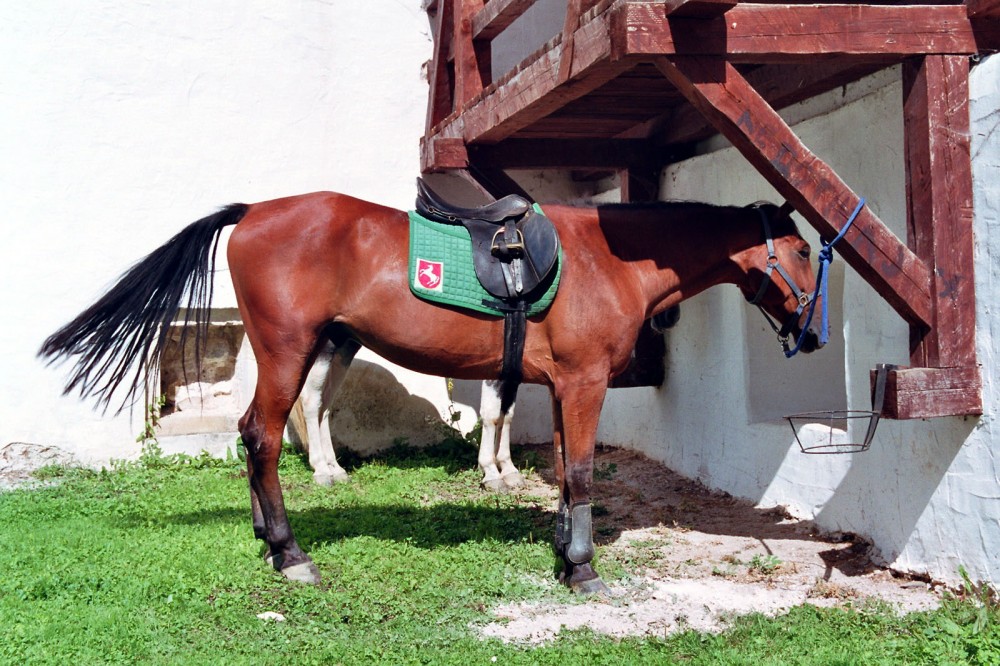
{"points": [[124, 122], [926, 493]]}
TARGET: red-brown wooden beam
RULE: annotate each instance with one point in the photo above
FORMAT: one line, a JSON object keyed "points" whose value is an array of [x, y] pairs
{"points": [[762, 33], [496, 16], [817, 192], [571, 23], [564, 153], [939, 204], [471, 60], [439, 97], [535, 91], [923, 393], [441, 154]]}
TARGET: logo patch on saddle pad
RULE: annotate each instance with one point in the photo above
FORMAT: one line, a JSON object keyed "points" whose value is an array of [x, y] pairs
{"points": [[429, 275]]}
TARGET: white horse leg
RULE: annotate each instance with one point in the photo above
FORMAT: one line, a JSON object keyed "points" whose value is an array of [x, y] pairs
{"points": [[322, 383], [508, 471], [489, 413], [494, 446]]}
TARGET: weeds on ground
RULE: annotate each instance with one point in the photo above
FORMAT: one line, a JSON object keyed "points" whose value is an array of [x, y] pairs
{"points": [[155, 562]]}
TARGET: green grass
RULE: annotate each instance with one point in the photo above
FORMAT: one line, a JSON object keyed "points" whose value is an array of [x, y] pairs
{"points": [[156, 564]]}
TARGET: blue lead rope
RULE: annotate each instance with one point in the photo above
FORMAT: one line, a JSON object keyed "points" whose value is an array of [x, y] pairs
{"points": [[822, 274]]}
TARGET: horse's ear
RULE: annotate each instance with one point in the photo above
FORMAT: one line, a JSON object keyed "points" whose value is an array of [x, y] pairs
{"points": [[786, 209]]}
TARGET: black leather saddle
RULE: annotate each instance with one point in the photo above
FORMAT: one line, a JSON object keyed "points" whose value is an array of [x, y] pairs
{"points": [[514, 249]]}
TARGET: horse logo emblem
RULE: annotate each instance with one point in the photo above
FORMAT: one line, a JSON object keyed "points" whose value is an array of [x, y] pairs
{"points": [[430, 275]]}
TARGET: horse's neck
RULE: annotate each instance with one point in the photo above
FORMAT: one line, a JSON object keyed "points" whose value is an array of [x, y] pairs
{"points": [[676, 254]]}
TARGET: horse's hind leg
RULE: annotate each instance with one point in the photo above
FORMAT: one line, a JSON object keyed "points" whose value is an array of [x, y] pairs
{"points": [[322, 383], [499, 471], [278, 383], [494, 442]]}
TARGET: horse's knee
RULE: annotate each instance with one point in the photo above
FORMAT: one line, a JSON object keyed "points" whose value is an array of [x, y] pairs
{"points": [[251, 430]]}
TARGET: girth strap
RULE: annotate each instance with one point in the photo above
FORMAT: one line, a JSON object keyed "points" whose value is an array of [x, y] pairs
{"points": [[512, 369]]}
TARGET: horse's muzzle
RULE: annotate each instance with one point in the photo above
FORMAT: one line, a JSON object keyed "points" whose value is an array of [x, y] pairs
{"points": [[811, 341]]}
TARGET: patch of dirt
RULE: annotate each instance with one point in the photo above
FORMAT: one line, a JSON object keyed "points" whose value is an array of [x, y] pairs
{"points": [[699, 558]]}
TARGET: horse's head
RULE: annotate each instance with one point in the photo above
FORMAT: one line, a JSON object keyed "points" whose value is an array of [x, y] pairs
{"points": [[779, 278]]}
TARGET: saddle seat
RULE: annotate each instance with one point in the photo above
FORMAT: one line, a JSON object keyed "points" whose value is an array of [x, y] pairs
{"points": [[515, 249], [433, 207]]}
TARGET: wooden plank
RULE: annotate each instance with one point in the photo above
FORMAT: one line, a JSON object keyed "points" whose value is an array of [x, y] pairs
{"points": [[497, 16], [983, 8], [534, 91], [563, 153], [439, 97], [817, 192], [939, 204], [921, 393], [441, 154], [470, 73], [762, 33], [698, 8], [570, 24]]}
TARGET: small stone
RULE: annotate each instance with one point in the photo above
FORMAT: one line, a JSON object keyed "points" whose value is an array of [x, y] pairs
{"points": [[271, 615]]}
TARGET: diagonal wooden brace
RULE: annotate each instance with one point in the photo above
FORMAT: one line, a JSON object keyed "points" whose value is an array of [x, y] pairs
{"points": [[737, 111]]}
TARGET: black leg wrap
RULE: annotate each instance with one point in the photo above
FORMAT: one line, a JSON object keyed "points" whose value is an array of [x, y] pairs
{"points": [[580, 549]]}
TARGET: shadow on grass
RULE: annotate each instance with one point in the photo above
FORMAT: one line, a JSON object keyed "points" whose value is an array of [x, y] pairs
{"points": [[431, 527], [440, 525]]}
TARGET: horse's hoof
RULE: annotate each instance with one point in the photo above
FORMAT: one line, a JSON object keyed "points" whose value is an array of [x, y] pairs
{"points": [[592, 587], [304, 572], [494, 485], [513, 480], [331, 479]]}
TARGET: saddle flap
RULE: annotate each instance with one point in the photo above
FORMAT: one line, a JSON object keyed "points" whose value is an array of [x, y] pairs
{"points": [[534, 264]]}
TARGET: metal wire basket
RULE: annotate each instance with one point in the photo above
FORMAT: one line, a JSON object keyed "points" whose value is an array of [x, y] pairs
{"points": [[837, 421]]}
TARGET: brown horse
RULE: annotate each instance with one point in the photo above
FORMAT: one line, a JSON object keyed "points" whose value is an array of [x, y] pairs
{"points": [[319, 268]]}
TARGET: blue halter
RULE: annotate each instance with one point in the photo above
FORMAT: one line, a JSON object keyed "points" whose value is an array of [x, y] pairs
{"points": [[805, 299]]}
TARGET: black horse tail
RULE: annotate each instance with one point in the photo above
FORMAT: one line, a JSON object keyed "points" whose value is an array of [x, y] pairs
{"points": [[127, 328]]}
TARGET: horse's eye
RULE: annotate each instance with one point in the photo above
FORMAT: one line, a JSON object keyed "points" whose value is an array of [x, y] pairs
{"points": [[805, 252]]}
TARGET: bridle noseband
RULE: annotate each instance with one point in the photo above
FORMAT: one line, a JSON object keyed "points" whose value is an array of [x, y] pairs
{"points": [[805, 299], [773, 263]]}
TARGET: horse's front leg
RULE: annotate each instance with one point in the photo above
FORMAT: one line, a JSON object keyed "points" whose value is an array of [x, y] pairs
{"points": [[576, 412], [262, 439]]}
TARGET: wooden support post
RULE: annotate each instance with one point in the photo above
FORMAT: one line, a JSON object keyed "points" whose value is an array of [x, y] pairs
{"points": [[471, 58], [439, 98], [737, 111], [571, 23], [939, 216], [939, 204]]}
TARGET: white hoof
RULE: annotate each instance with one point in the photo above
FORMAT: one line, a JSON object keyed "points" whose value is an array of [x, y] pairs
{"points": [[306, 572], [494, 485], [325, 479], [513, 480]]}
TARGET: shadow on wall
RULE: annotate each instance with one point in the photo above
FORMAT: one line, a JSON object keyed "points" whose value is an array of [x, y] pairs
{"points": [[906, 465], [372, 410]]}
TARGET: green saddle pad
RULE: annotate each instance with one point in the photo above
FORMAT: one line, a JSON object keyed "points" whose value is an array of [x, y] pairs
{"points": [[441, 269]]}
